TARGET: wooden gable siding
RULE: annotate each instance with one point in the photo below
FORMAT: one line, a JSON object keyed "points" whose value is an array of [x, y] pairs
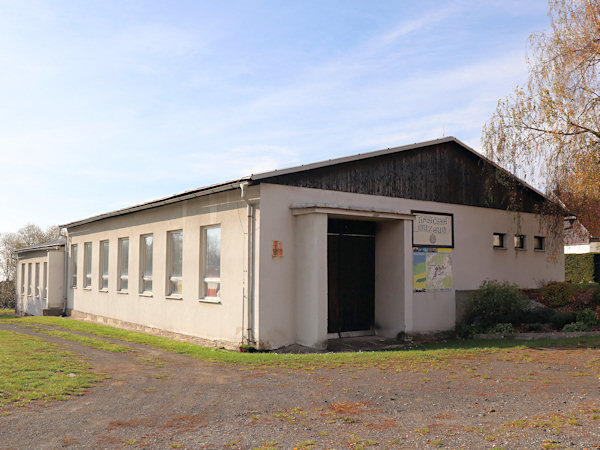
{"points": [[445, 172]]}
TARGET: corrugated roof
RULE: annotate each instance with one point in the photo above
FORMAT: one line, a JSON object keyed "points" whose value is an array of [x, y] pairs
{"points": [[60, 242]]}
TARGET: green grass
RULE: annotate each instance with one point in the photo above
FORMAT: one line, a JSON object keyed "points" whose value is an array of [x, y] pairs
{"points": [[430, 355], [34, 369], [6, 313]]}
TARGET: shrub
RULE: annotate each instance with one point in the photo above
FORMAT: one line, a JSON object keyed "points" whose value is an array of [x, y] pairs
{"points": [[582, 268], [576, 326], [496, 302], [7, 294], [534, 327], [596, 299], [560, 319], [588, 317], [465, 331], [537, 315], [557, 293], [501, 328]]}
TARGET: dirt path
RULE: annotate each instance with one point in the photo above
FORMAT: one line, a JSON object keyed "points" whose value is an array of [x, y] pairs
{"points": [[155, 399]]}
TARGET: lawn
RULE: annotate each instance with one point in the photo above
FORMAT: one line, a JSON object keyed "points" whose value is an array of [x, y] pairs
{"points": [[33, 369], [424, 355]]}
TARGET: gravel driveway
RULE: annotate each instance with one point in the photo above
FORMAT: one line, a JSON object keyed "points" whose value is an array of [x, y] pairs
{"points": [[532, 398]]}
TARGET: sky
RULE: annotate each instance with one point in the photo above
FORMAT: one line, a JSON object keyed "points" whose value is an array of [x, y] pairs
{"points": [[106, 104]]}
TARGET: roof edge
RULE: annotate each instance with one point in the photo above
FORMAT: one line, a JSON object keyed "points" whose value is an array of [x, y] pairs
{"points": [[182, 196]]}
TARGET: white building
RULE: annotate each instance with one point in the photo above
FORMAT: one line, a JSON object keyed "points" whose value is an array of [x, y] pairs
{"points": [[385, 242]]}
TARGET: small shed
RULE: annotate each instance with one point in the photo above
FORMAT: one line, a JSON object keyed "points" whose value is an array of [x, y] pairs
{"points": [[40, 279]]}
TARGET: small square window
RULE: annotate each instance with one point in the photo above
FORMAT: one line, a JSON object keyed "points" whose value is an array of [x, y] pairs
{"points": [[498, 240], [539, 243], [520, 241]]}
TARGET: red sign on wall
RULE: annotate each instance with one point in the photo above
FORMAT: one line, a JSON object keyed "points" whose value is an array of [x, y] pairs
{"points": [[277, 248]]}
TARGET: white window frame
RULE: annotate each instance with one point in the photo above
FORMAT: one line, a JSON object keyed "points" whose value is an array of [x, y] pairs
{"points": [[143, 277], [36, 283], [29, 280], [204, 280], [87, 265], [45, 281], [22, 279], [74, 265], [123, 276], [103, 265], [170, 269]]}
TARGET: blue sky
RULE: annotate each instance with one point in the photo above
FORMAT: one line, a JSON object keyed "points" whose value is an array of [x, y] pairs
{"points": [[106, 104]]}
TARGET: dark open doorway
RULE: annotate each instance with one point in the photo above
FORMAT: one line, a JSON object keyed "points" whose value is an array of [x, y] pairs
{"points": [[351, 275]]}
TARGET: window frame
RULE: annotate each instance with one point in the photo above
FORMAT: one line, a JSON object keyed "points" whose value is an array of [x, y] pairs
{"points": [[74, 266], [36, 283], [87, 261], [143, 277], [542, 240], [170, 266], [22, 279], [521, 237], [123, 277], [45, 281], [204, 280], [103, 265], [502, 237], [29, 285]]}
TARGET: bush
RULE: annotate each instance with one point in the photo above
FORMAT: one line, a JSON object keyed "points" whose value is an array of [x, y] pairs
{"points": [[560, 319], [464, 331], [537, 315], [496, 302], [534, 327], [558, 293], [596, 299], [588, 317], [501, 328], [576, 326], [582, 268]]}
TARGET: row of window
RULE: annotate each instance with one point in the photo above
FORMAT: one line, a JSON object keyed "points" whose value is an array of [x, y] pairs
{"points": [[35, 289], [519, 241], [210, 264]]}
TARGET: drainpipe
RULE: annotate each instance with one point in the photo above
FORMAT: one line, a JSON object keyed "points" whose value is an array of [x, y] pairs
{"points": [[66, 287], [248, 307]]}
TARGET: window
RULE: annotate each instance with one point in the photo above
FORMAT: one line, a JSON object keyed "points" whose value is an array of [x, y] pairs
{"points": [[123, 264], [539, 243], [87, 264], [45, 281], [37, 292], [146, 263], [103, 280], [498, 240], [74, 265], [520, 241], [175, 248], [211, 266], [29, 280], [22, 278]]}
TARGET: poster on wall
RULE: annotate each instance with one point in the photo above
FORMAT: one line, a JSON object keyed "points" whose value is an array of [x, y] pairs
{"points": [[433, 229], [432, 269]]}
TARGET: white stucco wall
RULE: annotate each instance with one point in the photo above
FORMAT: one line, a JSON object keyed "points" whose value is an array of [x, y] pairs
{"points": [[474, 258], [35, 302], [191, 314]]}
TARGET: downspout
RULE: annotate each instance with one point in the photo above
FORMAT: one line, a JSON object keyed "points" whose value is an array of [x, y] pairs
{"points": [[66, 287], [248, 306]]}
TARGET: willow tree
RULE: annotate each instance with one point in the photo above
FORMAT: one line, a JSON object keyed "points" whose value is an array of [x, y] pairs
{"points": [[548, 130]]}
